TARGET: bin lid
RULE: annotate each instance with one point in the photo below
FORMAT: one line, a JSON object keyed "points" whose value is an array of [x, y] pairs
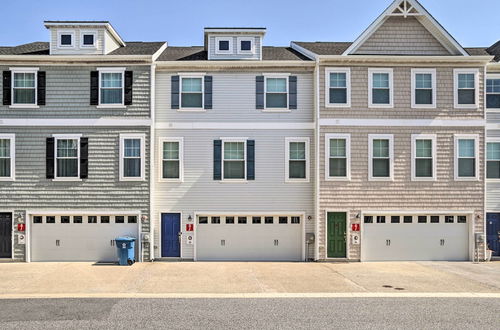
{"points": [[125, 238]]}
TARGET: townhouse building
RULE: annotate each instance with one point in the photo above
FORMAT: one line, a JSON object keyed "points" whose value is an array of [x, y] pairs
{"points": [[74, 143]]}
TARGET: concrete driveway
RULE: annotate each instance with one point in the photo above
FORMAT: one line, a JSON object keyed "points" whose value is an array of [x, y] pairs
{"points": [[79, 279]]}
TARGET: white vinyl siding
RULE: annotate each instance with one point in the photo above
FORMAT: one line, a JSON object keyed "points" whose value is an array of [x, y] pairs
{"points": [[423, 88], [7, 157], [171, 159], [381, 157], [297, 159], [132, 157], [423, 157], [466, 157], [380, 84], [337, 157], [466, 86], [338, 87], [66, 157]]}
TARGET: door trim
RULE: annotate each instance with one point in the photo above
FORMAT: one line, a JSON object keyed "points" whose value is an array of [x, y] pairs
{"points": [[160, 245], [12, 234], [347, 231]]}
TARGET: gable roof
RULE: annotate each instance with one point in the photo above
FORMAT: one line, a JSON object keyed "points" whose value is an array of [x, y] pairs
{"points": [[495, 50], [406, 8]]}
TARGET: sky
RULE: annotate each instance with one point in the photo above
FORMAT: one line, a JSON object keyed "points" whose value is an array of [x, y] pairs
{"points": [[181, 22]]}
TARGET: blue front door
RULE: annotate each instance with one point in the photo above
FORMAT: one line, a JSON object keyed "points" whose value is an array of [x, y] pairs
{"points": [[170, 228], [493, 232]]}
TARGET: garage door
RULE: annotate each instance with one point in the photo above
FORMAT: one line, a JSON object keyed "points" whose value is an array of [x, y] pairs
{"points": [[418, 237], [257, 237], [79, 238]]}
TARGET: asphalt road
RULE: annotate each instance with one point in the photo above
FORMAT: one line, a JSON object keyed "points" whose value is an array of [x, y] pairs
{"points": [[260, 313]]}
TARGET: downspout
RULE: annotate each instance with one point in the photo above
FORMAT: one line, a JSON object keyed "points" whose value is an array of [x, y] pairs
{"points": [[317, 157], [152, 173], [485, 132]]}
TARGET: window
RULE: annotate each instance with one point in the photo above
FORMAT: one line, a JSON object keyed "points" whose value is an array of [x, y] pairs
{"points": [[295, 220], [368, 219], [65, 39], [37, 219], [245, 46], [256, 220], [380, 218], [338, 154], [105, 219], [242, 220], [338, 85], [7, 157], [380, 157], [268, 220], [132, 154], [380, 84], [283, 220], [67, 157], [78, 219], [423, 88], [171, 169], [461, 219], [466, 88], [132, 219], [229, 220], [234, 158], [87, 39], [395, 219], [407, 219], [449, 219], [422, 219], [215, 220], [65, 219], [50, 219], [191, 92], [92, 219], [276, 92], [434, 218], [423, 157], [492, 160], [24, 87], [466, 157], [119, 219], [297, 160], [224, 45], [493, 92], [203, 220], [111, 85]]}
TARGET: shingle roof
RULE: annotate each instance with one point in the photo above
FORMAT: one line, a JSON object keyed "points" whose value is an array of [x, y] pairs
{"points": [[495, 50], [42, 48], [325, 48], [477, 51], [198, 53]]}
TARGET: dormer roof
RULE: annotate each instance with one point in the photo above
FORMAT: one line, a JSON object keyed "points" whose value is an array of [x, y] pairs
{"points": [[103, 24]]}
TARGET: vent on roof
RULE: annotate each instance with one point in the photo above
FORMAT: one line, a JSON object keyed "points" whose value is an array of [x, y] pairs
{"points": [[405, 9]]}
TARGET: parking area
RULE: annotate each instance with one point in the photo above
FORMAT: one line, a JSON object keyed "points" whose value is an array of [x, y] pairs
{"points": [[248, 277]]}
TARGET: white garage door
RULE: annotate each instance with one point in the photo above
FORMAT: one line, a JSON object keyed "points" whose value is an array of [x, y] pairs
{"points": [[250, 238], [419, 237], [79, 238]]}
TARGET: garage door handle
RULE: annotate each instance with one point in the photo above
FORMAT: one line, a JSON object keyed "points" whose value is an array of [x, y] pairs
{"points": [[58, 242], [442, 242], [388, 242], [112, 242], [276, 242]]}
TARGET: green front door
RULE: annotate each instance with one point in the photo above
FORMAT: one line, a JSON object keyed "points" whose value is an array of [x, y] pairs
{"points": [[336, 235]]}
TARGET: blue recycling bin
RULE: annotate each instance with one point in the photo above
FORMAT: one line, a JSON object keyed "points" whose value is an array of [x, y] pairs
{"points": [[126, 250]]}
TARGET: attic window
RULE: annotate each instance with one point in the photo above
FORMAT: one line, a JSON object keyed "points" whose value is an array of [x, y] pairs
{"points": [[245, 46], [223, 45], [66, 39], [87, 39]]}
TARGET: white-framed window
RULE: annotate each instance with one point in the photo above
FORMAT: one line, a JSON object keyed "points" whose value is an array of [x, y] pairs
{"points": [[172, 162], [66, 39], [423, 88], [111, 87], [337, 157], [246, 45], [423, 157], [132, 157], [88, 39], [338, 85], [192, 92], [493, 92], [24, 87], [276, 91], [234, 156], [466, 157], [223, 45], [380, 84], [466, 86], [380, 157], [297, 159], [493, 159], [67, 157], [7, 157]]}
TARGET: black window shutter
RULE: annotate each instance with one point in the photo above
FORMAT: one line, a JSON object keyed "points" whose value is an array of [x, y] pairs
{"points": [[292, 92], [84, 158], [94, 87], [208, 92], [217, 159], [50, 158], [41, 87], [251, 160], [129, 78], [175, 92], [6, 83], [259, 92]]}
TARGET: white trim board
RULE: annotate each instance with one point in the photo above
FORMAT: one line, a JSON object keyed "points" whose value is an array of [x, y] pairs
{"points": [[75, 122], [233, 125], [403, 122]]}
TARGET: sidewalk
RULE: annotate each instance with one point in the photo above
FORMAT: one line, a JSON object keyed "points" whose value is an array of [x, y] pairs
{"points": [[247, 278]]}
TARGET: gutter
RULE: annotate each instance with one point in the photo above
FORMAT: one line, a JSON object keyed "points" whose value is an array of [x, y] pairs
{"points": [[317, 135], [75, 59], [233, 64], [152, 172], [404, 59]]}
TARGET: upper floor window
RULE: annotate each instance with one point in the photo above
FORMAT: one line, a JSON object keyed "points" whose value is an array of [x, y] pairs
{"points": [[380, 85], [234, 158], [466, 88], [276, 92], [67, 157], [88, 39], [192, 92], [7, 157], [466, 157], [245, 45], [338, 154], [171, 168], [338, 85], [111, 86], [423, 88], [423, 157], [381, 156], [66, 39], [297, 160], [132, 157], [493, 160], [223, 45], [24, 86], [493, 92]]}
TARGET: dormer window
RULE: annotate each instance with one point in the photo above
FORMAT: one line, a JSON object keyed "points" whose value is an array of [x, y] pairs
{"points": [[66, 39], [224, 45], [87, 39], [245, 46]]}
